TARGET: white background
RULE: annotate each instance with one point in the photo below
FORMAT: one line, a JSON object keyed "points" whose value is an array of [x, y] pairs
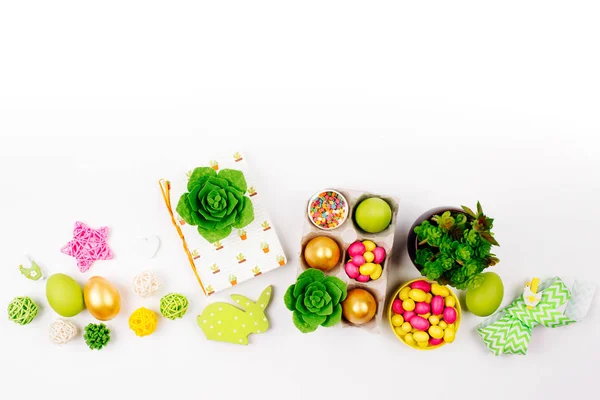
{"points": [[438, 103]]}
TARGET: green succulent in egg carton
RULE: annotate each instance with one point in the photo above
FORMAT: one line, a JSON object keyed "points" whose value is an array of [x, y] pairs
{"points": [[455, 247]]}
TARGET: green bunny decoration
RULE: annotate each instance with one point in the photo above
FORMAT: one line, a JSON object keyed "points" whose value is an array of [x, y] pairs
{"points": [[224, 322]]}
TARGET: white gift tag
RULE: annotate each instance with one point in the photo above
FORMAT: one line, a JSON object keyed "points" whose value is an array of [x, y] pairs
{"points": [[145, 247]]}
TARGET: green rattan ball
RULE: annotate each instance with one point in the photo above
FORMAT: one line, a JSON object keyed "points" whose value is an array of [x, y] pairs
{"points": [[173, 306], [96, 336], [22, 310]]}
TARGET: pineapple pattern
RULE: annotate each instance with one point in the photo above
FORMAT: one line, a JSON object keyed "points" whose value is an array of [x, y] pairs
{"points": [[247, 253]]}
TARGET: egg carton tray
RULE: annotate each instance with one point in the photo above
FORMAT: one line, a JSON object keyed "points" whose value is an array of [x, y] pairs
{"points": [[345, 235]]}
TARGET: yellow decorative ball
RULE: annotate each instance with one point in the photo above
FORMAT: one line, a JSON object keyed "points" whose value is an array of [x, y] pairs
{"points": [[143, 321]]}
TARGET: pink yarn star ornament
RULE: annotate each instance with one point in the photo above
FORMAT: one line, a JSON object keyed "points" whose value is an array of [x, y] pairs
{"points": [[88, 245]]}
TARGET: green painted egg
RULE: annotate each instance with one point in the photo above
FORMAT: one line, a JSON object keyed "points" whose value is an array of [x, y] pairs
{"points": [[64, 295], [373, 215], [485, 299]]}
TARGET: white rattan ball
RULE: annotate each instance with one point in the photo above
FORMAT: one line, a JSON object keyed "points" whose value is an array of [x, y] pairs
{"points": [[145, 284], [62, 332]]}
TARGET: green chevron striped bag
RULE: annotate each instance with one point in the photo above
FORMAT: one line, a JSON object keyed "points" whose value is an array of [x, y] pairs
{"points": [[509, 330]]}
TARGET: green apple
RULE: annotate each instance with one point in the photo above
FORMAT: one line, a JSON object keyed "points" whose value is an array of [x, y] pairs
{"points": [[485, 299], [373, 215]]}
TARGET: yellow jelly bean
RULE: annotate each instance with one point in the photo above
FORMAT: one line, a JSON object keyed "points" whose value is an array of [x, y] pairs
{"points": [[449, 335], [451, 326], [417, 295], [369, 245], [442, 324], [369, 257], [436, 332], [433, 320], [423, 344], [450, 302], [408, 338], [378, 271], [408, 305], [367, 268], [426, 316], [439, 290], [404, 293], [400, 331], [421, 336], [406, 327], [397, 320], [413, 330], [428, 298]]}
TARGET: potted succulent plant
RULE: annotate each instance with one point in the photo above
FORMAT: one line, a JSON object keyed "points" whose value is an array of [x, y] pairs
{"points": [[281, 260], [453, 246], [264, 246]]}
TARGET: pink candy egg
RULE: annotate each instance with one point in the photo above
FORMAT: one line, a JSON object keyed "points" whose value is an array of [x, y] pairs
{"points": [[356, 249], [352, 270], [358, 260], [449, 314], [408, 315], [397, 307], [419, 323], [423, 285], [422, 308], [363, 278], [437, 306], [435, 342], [379, 253]]}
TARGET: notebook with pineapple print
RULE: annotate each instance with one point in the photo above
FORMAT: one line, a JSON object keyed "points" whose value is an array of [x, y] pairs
{"points": [[243, 254]]}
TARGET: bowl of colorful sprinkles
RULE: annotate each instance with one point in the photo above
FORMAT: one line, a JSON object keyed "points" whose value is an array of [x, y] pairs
{"points": [[328, 209]]}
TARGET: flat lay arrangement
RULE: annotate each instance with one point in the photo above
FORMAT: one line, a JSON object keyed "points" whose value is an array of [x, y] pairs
{"points": [[222, 223]]}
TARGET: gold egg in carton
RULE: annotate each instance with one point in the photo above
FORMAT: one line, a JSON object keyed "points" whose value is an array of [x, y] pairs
{"points": [[346, 234]]}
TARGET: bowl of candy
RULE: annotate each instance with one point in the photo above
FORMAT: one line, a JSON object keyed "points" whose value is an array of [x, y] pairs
{"points": [[328, 209], [424, 315]]}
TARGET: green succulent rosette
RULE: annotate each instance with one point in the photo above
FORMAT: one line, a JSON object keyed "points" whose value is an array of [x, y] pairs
{"points": [[216, 203], [315, 300]]}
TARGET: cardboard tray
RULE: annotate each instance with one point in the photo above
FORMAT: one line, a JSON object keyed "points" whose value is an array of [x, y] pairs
{"points": [[345, 235]]}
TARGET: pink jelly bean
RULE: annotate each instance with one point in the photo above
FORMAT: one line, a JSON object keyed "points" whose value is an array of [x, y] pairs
{"points": [[437, 305], [356, 249], [397, 306], [422, 308], [358, 260], [435, 342], [419, 323], [363, 278], [408, 315], [423, 285], [379, 253], [449, 315], [352, 270]]}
